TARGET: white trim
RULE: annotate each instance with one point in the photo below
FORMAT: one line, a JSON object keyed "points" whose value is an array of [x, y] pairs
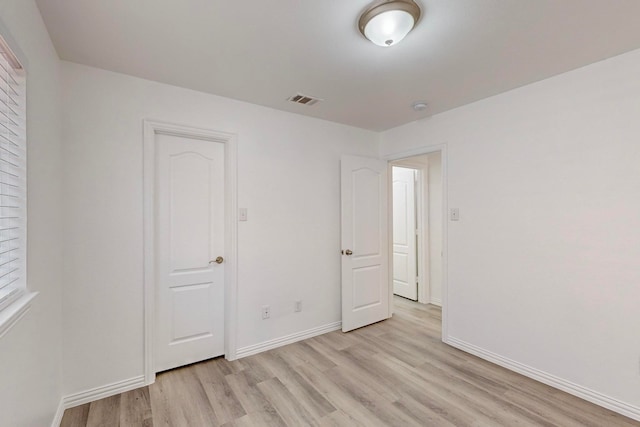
{"points": [[57, 418], [549, 379], [436, 301], [9, 295], [14, 46], [231, 247], [287, 339], [445, 226], [151, 129], [108, 390], [10, 315], [423, 249]]}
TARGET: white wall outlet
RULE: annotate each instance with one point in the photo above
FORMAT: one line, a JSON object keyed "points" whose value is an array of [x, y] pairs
{"points": [[298, 306], [242, 214], [266, 312], [455, 214]]}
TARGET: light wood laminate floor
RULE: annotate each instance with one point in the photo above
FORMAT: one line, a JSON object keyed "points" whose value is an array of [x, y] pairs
{"points": [[393, 373]]}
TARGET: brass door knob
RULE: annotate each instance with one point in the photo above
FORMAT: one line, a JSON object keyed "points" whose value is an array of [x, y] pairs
{"points": [[348, 252], [218, 260]]}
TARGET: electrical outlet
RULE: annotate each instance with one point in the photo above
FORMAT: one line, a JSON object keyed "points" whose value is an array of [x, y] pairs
{"points": [[298, 306], [266, 312]]}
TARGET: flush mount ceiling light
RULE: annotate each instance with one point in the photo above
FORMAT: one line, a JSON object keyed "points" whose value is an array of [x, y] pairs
{"points": [[387, 23]]}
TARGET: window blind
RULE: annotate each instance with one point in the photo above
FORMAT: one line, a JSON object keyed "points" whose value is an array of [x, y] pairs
{"points": [[13, 185]]}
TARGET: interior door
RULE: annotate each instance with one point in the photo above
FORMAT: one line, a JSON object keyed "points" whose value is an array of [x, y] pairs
{"points": [[189, 234], [405, 277], [365, 269]]}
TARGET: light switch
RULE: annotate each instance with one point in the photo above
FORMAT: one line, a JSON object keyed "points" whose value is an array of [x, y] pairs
{"points": [[455, 214], [242, 214]]}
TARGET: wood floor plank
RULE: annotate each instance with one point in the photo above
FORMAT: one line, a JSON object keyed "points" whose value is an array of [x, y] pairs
{"points": [[256, 372], [267, 418], [287, 405], [76, 416], [378, 405], [490, 405], [178, 398], [253, 401], [339, 398], [433, 399], [353, 361], [135, 408], [223, 400], [334, 340], [104, 412], [302, 353], [340, 419], [309, 396], [422, 414], [393, 373]]}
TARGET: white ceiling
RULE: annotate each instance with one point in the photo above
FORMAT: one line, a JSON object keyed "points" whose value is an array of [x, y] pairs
{"points": [[263, 51]]}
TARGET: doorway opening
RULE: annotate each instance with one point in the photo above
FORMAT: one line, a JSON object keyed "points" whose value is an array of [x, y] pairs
{"points": [[417, 230], [190, 245]]}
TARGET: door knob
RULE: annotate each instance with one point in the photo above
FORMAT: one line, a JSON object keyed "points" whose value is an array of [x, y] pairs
{"points": [[348, 252], [218, 260]]}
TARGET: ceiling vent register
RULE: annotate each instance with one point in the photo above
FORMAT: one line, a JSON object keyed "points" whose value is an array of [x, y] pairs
{"points": [[304, 99]]}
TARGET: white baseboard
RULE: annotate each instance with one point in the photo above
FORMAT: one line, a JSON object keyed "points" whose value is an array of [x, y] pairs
{"points": [[548, 379], [98, 393], [287, 339], [436, 301], [57, 418]]}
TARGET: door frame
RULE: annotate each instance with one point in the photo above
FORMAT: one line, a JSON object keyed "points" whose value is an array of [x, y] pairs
{"points": [[391, 158], [422, 247], [417, 200], [230, 141]]}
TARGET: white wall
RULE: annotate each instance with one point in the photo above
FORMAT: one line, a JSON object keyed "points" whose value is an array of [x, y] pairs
{"points": [[30, 353], [543, 265], [288, 177], [435, 227]]}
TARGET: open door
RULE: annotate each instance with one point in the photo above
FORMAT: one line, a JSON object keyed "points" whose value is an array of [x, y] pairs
{"points": [[405, 250], [365, 260]]}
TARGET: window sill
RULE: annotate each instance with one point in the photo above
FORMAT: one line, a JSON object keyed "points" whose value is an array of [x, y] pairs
{"points": [[11, 314]]}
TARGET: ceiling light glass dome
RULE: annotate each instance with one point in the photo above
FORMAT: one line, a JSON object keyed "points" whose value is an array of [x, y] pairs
{"points": [[386, 24]]}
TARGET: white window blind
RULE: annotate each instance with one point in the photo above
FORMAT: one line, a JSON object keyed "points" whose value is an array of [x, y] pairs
{"points": [[13, 182]]}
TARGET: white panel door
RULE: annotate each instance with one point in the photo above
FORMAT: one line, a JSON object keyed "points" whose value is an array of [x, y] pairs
{"points": [[189, 234], [405, 276], [365, 269]]}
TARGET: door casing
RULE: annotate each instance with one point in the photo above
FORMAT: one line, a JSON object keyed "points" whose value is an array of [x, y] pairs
{"points": [[445, 224], [413, 255], [422, 225], [151, 129]]}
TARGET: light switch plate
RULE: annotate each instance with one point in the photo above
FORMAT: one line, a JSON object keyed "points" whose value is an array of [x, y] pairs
{"points": [[242, 214], [455, 214]]}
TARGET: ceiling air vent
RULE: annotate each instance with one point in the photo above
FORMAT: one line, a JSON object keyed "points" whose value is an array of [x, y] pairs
{"points": [[303, 99]]}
